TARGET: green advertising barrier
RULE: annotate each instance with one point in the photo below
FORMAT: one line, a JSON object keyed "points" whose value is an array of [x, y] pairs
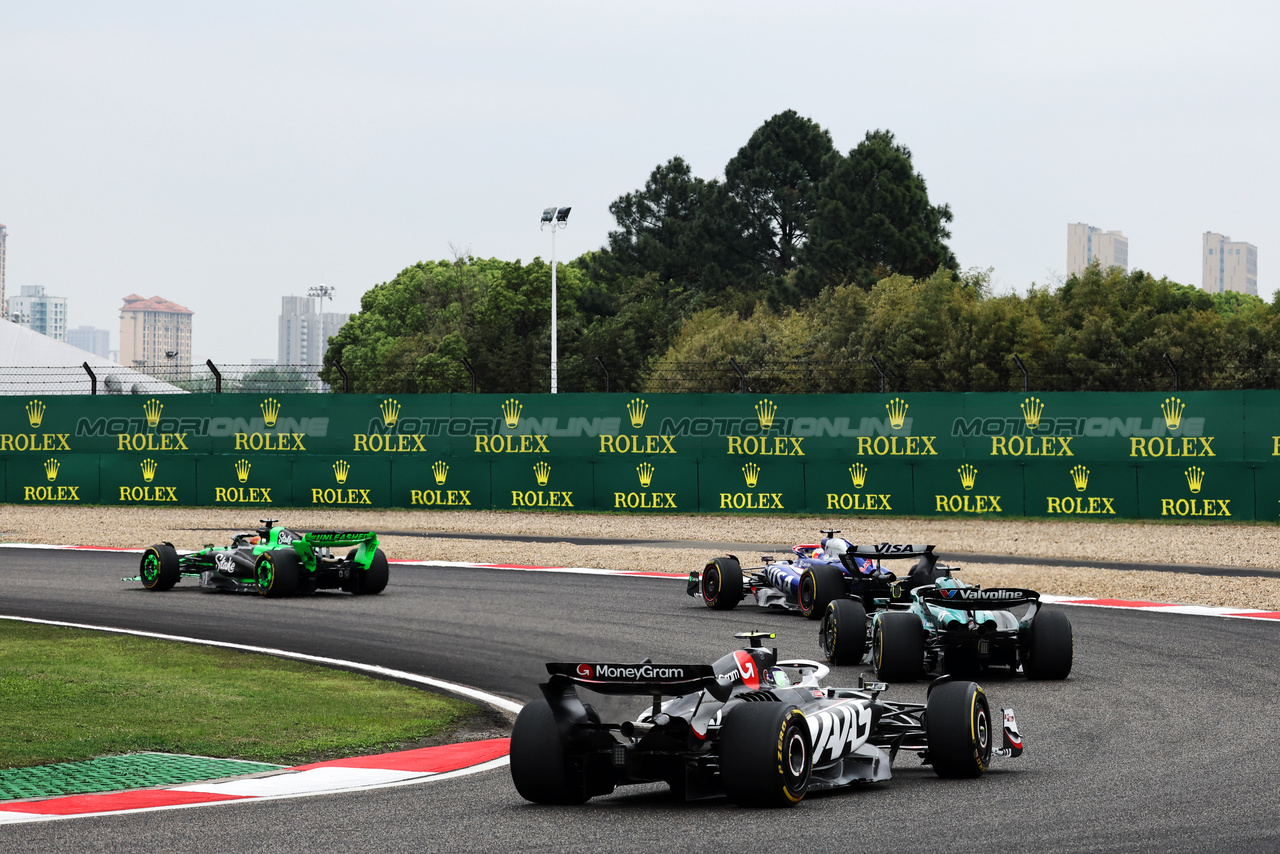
{"points": [[654, 483], [981, 488], [52, 479], [542, 484], [769, 486], [442, 483], [880, 487], [154, 479], [1197, 490], [346, 482], [1103, 426], [248, 480], [1052, 455], [1063, 488]]}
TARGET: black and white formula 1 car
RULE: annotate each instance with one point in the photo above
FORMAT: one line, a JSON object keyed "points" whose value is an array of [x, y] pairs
{"points": [[759, 730], [816, 575]]}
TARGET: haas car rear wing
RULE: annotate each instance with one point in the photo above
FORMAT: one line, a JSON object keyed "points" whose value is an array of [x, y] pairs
{"points": [[659, 680], [977, 599]]}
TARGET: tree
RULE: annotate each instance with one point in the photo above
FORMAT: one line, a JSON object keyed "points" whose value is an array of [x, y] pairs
{"points": [[775, 178], [679, 227], [874, 219]]}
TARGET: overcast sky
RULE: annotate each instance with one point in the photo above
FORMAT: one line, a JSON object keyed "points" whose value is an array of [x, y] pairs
{"points": [[224, 155]]}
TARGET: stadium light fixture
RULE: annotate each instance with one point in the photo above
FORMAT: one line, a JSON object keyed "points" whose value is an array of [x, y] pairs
{"points": [[557, 218]]}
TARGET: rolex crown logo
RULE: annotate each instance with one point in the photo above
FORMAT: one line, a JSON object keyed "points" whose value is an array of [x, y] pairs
{"points": [[35, 413], [751, 472], [340, 470], [148, 470], [542, 472], [1080, 477], [1032, 408], [637, 409], [441, 471], [511, 413], [858, 472], [390, 411], [152, 409], [897, 412], [242, 470], [1172, 409], [968, 476], [1195, 478], [51, 469], [646, 474], [270, 411], [765, 410]]}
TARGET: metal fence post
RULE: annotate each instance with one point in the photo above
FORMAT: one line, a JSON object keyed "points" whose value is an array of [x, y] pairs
{"points": [[606, 374], [742, 377], [1022, 368], [217, 376], [879, 370], [466, 363], [346, 383], [1173, 368], [93, 380]]}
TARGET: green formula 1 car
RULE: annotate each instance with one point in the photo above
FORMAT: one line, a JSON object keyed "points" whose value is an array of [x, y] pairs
{"points": [[273, 561]]}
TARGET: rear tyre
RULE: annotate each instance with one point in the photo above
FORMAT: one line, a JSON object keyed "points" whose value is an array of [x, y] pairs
{"points": [[721, 583], [957, 725], [1050, 646], [819, 585], [766, 757], [159, 568], [898, 646], [539, 762], [374, 579], [277, 572], [843, 634]]}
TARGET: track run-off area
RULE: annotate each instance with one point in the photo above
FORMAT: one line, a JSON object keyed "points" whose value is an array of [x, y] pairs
{"points": [[1161, 740]]}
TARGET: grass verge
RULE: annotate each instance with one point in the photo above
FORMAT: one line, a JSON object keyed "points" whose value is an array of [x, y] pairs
{"points": [[68, 695]]}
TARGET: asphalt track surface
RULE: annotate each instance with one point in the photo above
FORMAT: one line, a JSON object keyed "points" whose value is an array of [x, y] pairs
{"points": [[1163, 739]]}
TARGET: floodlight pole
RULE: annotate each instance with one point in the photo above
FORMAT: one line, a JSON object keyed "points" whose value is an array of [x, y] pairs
{"points": [[557, 218]]}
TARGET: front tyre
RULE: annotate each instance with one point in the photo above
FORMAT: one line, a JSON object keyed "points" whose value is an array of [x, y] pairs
{"points": [[820, 584], [721, 583], [898, 644], [843, 633], [540, 767], [374, 579], [1050, 646], [958, 729], [277, 572], [766, 757], [159, 568]]}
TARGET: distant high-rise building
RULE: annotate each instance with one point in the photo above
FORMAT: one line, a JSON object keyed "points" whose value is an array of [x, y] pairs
{"points": [[305, 330], [1228, 265], [36, 310], [1086, 244], [96, 341], [155, 332], [4, 235]]}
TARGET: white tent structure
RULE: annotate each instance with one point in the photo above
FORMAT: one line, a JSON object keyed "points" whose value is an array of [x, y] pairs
{"points": [[31, 363]]}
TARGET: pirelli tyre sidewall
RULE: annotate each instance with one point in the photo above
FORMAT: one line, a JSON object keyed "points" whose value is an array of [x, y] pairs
{"points": [[843, 632], [898, 646], [958, 729], [540, 765], [766, 755], [159, 568], [819, 585], [277, 572], [721, 583]]}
